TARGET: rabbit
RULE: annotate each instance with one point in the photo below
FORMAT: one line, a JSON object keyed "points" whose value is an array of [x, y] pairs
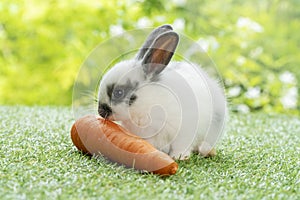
{"points": [[174, 105]]}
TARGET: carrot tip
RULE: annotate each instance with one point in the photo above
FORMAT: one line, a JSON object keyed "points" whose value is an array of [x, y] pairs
{"points": [[168, 170], [173, 169]]}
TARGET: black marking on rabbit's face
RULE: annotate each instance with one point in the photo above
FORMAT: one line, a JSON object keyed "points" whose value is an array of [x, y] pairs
{"points": [[109, 90], [119, 93], [132, 99], [104, 110]]}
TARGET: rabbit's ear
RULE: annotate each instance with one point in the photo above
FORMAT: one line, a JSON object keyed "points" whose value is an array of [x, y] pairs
{"points": [[160, 53], [152, 36]]}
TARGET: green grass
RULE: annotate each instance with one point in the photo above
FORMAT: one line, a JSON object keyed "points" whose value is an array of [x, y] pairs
{"points": [[258, 158]]}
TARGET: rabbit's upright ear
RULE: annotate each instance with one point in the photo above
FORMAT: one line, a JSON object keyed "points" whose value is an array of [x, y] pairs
{"points": [[151, 37], [160, 53]]}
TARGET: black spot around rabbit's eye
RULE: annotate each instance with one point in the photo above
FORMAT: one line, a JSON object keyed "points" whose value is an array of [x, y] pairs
{"points": [[109, 90], [122, 93]]}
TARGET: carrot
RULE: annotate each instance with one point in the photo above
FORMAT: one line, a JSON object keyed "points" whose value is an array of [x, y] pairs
{"points": [[94, 135]]}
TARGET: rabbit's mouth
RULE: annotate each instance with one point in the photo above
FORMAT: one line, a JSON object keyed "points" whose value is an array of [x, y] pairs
{"points": [[104, 110]]}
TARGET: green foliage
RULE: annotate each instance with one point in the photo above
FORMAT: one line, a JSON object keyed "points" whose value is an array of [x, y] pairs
{"points": [[255, 45]]}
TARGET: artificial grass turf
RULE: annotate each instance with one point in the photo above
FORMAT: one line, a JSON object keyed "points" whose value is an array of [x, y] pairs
{"points": [[258, 158]]}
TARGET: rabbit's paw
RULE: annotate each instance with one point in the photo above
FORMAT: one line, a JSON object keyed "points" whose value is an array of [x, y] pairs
{"points": [[207, 150]]}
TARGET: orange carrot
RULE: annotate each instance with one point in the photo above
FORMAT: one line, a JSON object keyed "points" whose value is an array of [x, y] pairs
{"points": [[94, 135]]}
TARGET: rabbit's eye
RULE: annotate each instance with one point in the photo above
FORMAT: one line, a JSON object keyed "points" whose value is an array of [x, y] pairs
{"points": [[118, 93]]}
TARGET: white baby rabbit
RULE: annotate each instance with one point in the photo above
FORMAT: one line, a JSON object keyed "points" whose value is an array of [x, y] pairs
{"points": [[173, 105]]}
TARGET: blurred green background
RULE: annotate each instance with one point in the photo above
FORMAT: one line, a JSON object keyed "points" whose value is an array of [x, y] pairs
{"points": [[255, 45]]}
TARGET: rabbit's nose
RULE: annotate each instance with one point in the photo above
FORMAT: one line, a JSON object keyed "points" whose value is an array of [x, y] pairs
{"points": [[104, 110]]}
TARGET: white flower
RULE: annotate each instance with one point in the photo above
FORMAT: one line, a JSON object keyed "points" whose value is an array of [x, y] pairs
{"points": [[208, 43], [244, 44], [243, 108], [14, 8], [179, 24], [2, 31], [179, 2], [287, 77], [248, 24], [116, 30], [144, 22], [289, 100], [255, 53], [234, 91], [203, 44], [253, 93], [160, 18], [241, 60]]}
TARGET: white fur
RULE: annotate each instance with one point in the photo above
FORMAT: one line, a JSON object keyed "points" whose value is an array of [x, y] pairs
{"points": [[182, 111]]}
